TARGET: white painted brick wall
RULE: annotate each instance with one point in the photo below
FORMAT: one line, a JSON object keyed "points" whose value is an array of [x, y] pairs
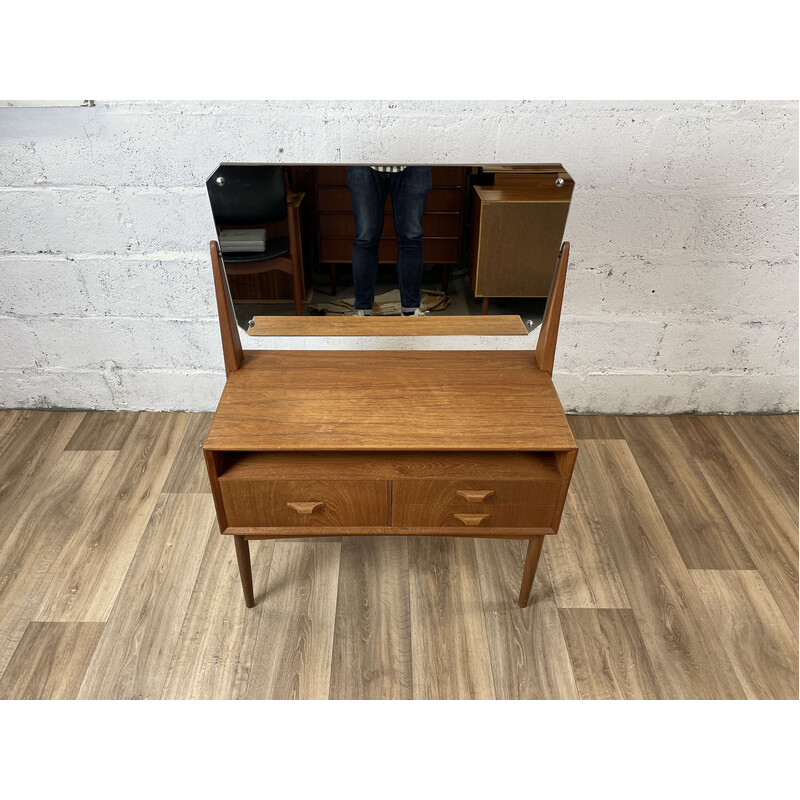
{"points": [[682, 294]]}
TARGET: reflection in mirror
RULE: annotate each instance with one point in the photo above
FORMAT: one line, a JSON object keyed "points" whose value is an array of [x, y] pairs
{"points": [[391, 239]]}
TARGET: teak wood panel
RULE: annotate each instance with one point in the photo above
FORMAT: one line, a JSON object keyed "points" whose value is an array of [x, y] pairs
{"points": [[368, 465], [304, 503], [307, 400], [500, 325], [446, 494]]}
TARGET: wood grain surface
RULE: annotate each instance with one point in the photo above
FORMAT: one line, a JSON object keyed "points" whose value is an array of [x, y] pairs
{"points": [[29, 450], [585, 574], [188, 473], [529, 658], [451, 404], [746, 495], [89, 574], [215, 649], [684, 647], [294, 649], [103, 430], [757, 639], [608, 654], [449, 646], [372, 637], [615, 610], [368, 465], [701, 531], [135, 651], [333, 325], [43, 530], [50, 661]]}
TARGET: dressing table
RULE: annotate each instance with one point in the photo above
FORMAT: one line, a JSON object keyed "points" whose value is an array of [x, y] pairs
{"points": [[389, 443]]}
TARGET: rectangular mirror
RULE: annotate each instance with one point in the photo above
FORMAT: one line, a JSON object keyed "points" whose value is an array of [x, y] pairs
{"points": [[337, 240]]}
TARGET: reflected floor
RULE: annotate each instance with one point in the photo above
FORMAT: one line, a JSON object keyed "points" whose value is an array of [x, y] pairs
{"points": [[462, 301]]}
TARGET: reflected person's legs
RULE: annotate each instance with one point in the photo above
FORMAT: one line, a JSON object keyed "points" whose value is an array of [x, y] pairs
{"points": [[368, 189], [409, 191]]}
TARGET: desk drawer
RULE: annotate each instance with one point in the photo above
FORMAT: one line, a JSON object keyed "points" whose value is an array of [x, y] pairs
{"points": [[269, 504], [470, 515], [480, 494]]}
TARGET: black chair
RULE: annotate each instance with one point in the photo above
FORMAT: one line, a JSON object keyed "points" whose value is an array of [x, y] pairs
{"points": [[245, 196]]}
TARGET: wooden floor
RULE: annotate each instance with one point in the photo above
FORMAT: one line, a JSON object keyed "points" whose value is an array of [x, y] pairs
{"points": [[674, 576]]}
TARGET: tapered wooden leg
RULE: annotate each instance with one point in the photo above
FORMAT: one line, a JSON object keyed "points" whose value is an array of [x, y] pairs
{"points": [[529, 573], [243, 558], [445, 276], [485, 308]]}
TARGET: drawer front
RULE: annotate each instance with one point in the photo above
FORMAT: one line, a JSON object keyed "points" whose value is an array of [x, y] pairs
{"points": [[337, 198], [436, 251], [435, 224], [472, 516], [476, 493], [268, 504]]}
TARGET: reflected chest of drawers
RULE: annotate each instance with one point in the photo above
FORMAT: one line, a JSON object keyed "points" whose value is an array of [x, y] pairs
{"points": [[375, 442]]}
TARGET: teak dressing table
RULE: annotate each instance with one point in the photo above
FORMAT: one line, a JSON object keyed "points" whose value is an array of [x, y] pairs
{"points": [[400, 443]]}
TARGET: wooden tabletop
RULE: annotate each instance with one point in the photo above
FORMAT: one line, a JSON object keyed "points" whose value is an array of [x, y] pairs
{"points": [[331, 325], [389, 400]]}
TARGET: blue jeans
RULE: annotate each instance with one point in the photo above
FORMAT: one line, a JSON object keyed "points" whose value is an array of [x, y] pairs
{"points": [[409, 191]]}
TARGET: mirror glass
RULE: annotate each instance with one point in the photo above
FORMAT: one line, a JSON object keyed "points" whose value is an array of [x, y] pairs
{"points": [[325, 239]]}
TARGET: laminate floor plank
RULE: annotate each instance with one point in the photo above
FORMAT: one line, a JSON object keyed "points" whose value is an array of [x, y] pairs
{"points": [[28, 452], [595, 427], [760, 644], [9, 419], [188, 473], [215, 649], [682, 644], [107, 588], [134, 654], [50, 661], [584, 573], [294, 649], [103, 430], [765, 527], [790, 424], [91, 571], [529, 657], [609, 657], [372, 637], [46, 527], [449, 646], [700, 529], [773, 453]]}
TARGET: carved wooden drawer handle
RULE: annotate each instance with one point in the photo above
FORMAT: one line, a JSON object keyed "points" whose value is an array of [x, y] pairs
{"points": [[475, 495], [471, 519], [305, 508]]}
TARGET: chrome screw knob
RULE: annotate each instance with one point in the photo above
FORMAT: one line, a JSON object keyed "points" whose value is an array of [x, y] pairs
{"points": [[559, 181], [221, 181], [529, 323], [251, 323]]}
